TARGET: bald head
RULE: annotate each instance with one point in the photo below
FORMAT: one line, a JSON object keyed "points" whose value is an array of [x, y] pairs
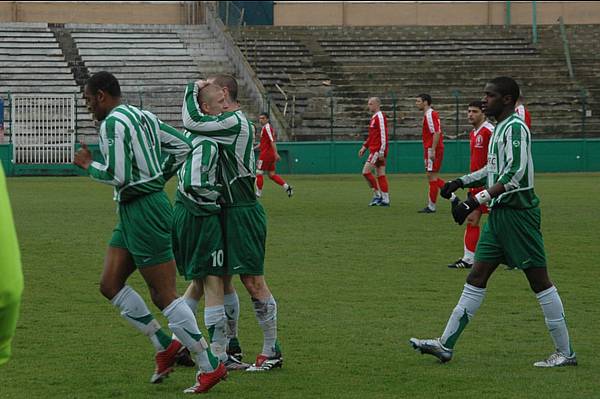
{"points": [[374, 104], [211, 99]]}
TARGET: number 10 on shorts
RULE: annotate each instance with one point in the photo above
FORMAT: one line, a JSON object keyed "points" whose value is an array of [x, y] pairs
{"points": [[217, 257]]}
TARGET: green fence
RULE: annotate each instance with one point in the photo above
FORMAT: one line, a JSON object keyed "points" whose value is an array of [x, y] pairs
{"points": [[564, 155], [404, 157]]}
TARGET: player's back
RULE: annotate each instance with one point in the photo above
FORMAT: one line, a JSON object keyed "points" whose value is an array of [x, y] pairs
{"points": [[237, 165], [197, 187]]}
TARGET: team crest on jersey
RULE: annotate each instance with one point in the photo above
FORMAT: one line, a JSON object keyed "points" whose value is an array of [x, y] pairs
{"points": [[111, 142], [479, 141], [516, 143]]}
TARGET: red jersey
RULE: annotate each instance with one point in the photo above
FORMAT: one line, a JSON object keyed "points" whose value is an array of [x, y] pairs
{"points": [[480, 138], [524, 114], [431, 125], [267, 136], [377, 141]]}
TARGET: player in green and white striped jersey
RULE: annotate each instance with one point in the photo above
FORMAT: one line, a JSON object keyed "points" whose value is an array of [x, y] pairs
{"points": [[512, 234], [197, 234], [132, 143], [244, 219]]}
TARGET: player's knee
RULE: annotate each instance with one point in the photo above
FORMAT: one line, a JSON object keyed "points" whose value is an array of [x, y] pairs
{"points": [[259, 172], [109, 289], [254, 285], [539, 286], [477, 279]]}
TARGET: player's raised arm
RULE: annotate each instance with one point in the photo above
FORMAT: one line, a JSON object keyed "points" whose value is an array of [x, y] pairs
{"points": [[195, 121]]}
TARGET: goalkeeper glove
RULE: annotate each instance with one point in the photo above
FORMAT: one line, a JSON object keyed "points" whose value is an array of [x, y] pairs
{"points": [[462, 210], [450, 187]]}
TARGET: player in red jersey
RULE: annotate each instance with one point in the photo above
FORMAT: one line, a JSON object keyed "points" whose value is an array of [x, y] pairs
{"points": [[377, 144], [433, 146], [268, 157], [522, 111], [479, 138]]}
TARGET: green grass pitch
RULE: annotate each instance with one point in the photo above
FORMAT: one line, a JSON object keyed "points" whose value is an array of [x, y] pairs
{"points": [[353, 284]]}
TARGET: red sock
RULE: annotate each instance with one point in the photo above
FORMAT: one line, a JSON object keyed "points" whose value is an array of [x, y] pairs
{"points": [[383, 183], [471, 237], [277, 179], [440, 183], [371, 180], [433, 191], [259, 181]]}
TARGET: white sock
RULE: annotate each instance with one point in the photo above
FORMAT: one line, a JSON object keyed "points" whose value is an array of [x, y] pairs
{"points": [[385, 197], [215, 322], [554, 315], [192, 304], [431, 205], [232, 312], [266, 314], [183, 324], [468, 256], [134, 310], [470, 300]]}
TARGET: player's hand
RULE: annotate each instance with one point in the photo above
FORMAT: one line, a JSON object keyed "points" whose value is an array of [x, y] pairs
{"points": [[277, 157], [380, 155], [462, 210], [83, 157], [430, 155], [450, 187], [361, 152], [201, 84]]}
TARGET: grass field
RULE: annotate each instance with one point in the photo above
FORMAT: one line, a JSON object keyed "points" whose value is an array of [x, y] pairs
{"points": [[353, 284]]}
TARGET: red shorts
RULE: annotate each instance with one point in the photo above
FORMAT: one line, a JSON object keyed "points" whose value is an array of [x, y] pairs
{"points": [[266, 164], [375, 160], [483, 208], [437, 161]]}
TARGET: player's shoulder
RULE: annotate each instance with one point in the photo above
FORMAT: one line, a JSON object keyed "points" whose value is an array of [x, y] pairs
{"points": [[488, 126]]}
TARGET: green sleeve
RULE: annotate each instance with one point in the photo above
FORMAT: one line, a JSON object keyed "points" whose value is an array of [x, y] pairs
{"points": [[113, 170], [224, 125]]}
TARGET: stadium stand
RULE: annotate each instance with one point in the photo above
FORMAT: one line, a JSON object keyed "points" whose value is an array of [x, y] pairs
{"points": [[32, 62], [405, 61], [316, 66]]}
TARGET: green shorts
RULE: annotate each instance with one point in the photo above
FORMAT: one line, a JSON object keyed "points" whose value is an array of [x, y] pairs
{"points": [[513, 237], [245, 229], [144, 229], [197, 244]]}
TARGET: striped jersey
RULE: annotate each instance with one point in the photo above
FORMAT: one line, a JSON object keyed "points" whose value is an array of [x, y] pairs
{"points": [[197, 188], [140, 152], [509, 163], [234, 133]]}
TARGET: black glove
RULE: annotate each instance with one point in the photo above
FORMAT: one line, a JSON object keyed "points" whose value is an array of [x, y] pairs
{"points": [[462, 210], [450, 187]]}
